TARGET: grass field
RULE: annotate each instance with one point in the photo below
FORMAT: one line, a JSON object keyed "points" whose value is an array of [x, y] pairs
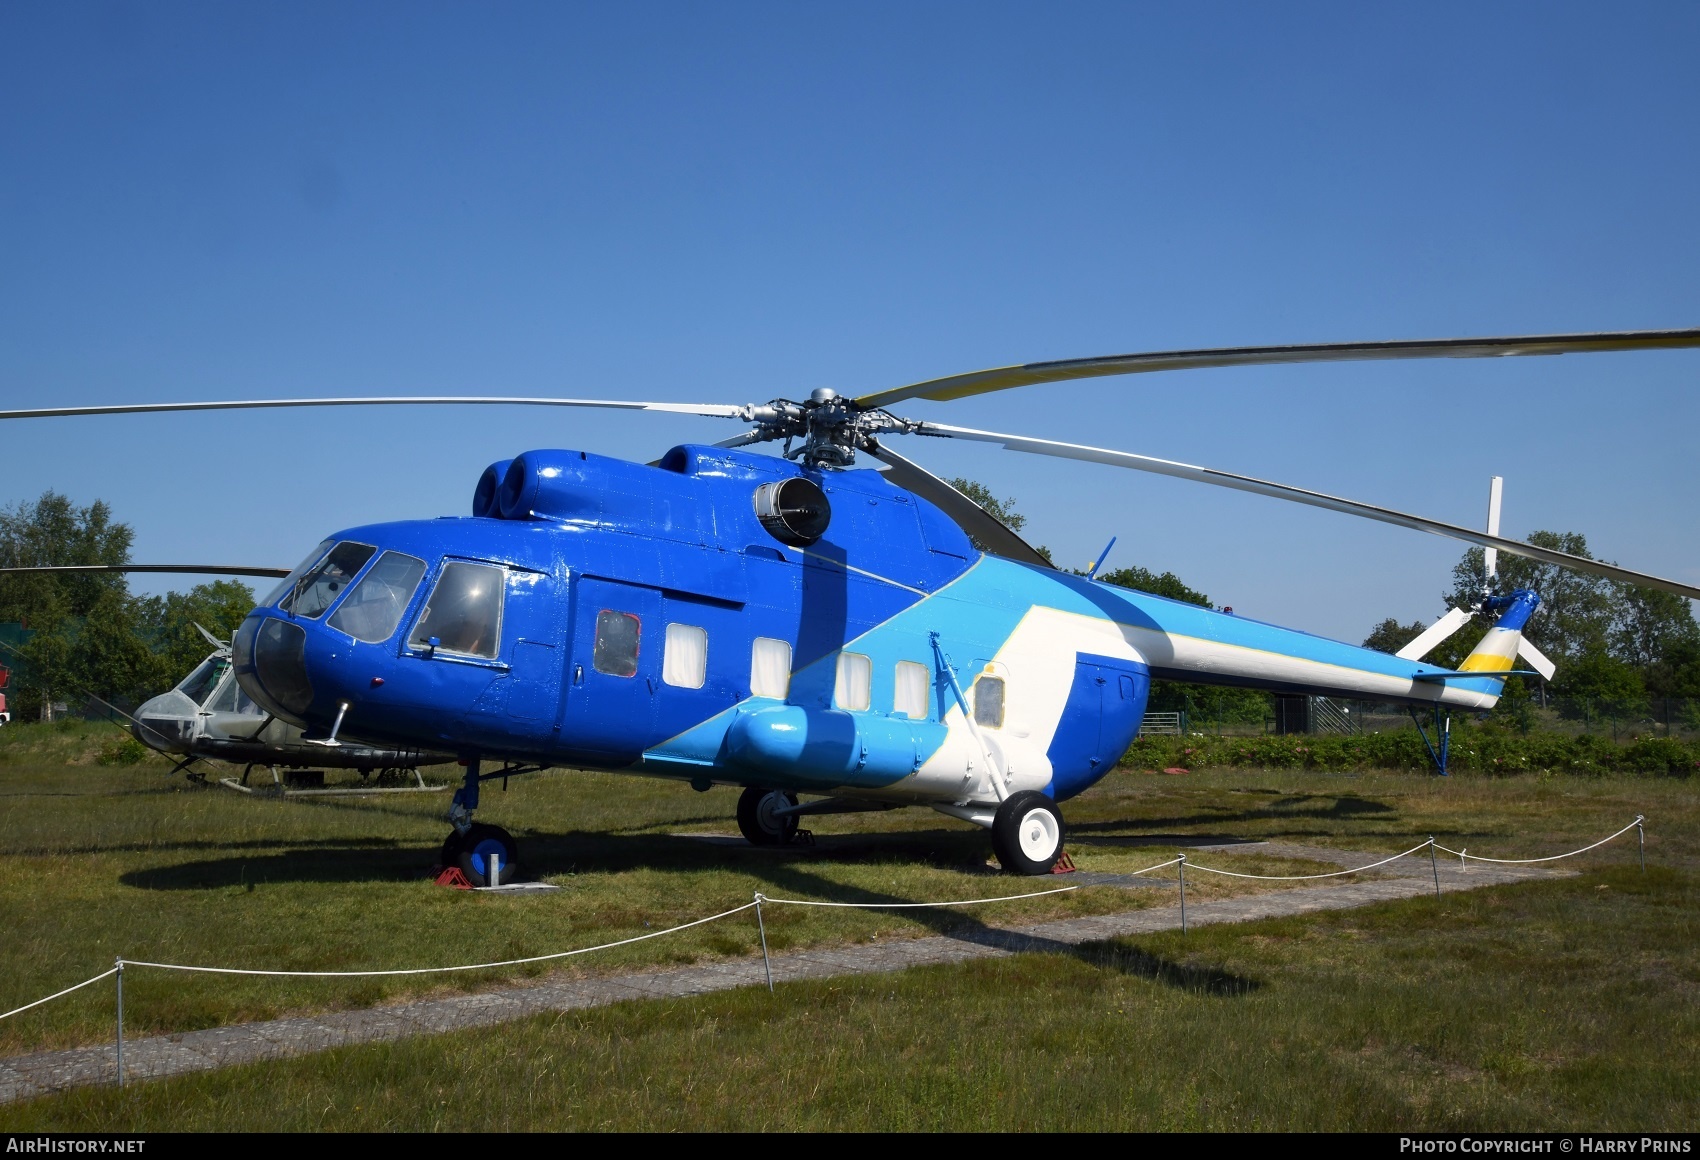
{"points": [[1565, 1004]]}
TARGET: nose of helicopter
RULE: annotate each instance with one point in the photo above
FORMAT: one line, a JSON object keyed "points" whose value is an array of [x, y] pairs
{"points": [[165, 723], [270, 655]]}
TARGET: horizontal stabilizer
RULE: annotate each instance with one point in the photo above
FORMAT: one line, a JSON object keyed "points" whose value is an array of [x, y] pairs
{"points": [[1442, 678], [1537, 659], [1433, 635]]}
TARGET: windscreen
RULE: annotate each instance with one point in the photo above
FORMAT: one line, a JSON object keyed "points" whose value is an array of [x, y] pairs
{"points": [[199, 685], [287, 584], [326, 580], [375, 607]]}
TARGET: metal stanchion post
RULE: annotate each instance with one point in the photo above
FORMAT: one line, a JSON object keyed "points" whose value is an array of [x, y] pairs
{"points": [[1641, 841], [1433, 866], [120, 978], [762, 926], [1183, 893]]}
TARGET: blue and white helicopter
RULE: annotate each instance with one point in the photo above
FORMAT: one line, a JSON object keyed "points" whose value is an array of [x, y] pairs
{"points": [[795, 625]]}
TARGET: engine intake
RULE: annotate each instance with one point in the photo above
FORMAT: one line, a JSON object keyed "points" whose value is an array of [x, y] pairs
{"points": [[794, 511]]}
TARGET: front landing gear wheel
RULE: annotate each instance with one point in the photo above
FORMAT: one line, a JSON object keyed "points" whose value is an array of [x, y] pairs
{"points": [[757, 819], [1027, 833], [474, 850]]}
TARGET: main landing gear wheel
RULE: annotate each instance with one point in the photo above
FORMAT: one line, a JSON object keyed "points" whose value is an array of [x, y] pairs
{"points": [[1027, 833], [473, 850], [756, 817]]}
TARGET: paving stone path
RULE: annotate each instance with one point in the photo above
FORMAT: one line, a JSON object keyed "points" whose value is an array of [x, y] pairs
{"points": [[22, 1077]]}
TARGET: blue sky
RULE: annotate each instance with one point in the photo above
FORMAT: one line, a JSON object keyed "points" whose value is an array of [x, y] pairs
{"points": [[734, 202]]}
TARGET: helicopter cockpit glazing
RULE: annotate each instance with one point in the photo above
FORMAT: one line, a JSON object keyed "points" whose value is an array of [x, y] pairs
{"points": [[375, 607], [464, 612], [200, 685], [318, 588]]}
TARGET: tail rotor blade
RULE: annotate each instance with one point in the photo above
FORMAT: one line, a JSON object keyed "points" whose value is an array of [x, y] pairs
{"points": [[1537, 659], [1431, 637], [1490, 556]]}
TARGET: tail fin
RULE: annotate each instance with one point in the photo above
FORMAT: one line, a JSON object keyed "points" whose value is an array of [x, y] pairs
{"points": [[1498, 651]]}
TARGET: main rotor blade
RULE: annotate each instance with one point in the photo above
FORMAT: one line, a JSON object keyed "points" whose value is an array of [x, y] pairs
{"points": [[1028, 374], [189, 569], [744, 440], [714, 410], [1304, 496], [992, 534]]}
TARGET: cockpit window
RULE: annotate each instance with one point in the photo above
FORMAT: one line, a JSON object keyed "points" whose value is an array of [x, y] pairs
{"points": [[464, 612], [232, 699], [319, 588], [199, 685], [372, 611], [287, 585]]}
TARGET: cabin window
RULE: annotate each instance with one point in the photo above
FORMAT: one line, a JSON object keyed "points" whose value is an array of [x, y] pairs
{"points": [[910, 697], [988, 702], [616, 648], [684, 658], [319, 588], [464, 611], [855, 681], [770, 668], [375, 607]]}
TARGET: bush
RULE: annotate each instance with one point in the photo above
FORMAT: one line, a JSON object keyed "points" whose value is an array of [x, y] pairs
{"points": [[123, 751], [1473, 750]]}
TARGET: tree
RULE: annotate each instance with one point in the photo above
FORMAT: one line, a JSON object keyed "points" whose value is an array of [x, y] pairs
{"points": [[1602, 681], [1576, 611], [1653, 630], [1390, 636], [54, 531], [1203, 703], [57, 661], [1168, 584], [169, 622]]}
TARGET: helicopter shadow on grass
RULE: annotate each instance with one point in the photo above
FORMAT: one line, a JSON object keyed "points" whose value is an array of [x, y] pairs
{"points": [[965, 925], [370, 860], [1295, 808]]}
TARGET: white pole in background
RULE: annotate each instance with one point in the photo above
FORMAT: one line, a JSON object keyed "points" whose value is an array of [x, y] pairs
{"points": [[762, 926], [1183, 893], [120, 978]]}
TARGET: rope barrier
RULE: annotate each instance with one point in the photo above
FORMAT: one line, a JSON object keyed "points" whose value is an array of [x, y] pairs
{"points": [[760, 898], [438, 970], [910, 905], [20, 1010], [1304, 877], [1553, 858]]}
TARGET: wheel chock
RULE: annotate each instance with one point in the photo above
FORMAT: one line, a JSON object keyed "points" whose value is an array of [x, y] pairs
{"points": [[453, 878]]}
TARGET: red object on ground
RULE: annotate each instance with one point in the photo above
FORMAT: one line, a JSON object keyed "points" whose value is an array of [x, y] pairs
{"points": [[1064, 865], [1176, 769], [454, 879]]}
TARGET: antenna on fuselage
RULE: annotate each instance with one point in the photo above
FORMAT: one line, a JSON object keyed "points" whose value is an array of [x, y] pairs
{"points": [[1092, 572]]}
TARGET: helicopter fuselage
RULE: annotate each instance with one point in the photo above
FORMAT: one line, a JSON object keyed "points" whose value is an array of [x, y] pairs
{"points": [[611, 615]]}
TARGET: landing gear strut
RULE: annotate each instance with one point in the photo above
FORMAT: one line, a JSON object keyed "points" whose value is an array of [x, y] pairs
{"points": [[481, 851]]}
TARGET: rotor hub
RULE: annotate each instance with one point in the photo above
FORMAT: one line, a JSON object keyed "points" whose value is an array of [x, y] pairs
{"points": [[831, 427]]}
